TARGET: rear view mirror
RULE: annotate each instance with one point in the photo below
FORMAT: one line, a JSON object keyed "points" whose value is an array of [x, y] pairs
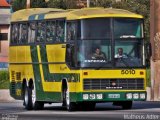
{"points": [[148, 54]]}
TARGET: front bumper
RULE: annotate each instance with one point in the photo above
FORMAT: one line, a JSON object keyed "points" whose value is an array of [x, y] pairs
{"points": [[108, 96]]}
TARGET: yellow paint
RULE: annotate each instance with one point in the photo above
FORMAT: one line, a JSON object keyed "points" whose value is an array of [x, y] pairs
{"points": [[52, 13], [56, 53]]}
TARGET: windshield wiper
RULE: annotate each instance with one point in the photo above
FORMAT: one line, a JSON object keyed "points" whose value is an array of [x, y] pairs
{"points": [[101, 66], [122, 60]]}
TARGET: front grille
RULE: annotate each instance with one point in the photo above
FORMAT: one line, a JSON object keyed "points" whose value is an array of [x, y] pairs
{"points": [[105, 84]]}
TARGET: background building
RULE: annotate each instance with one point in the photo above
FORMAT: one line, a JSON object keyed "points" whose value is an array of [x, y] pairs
{"points": [[4, 30]]}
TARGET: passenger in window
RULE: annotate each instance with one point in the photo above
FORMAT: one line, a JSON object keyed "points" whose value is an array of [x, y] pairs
{"points": [[120, 53], [31, 33], [14, 33], [71, 31], [23, 33], [98, 54], [41, 32], [50, 32], [60, 34]]}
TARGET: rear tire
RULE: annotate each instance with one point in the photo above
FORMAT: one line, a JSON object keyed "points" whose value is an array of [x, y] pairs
{"points": [[30, 100], [27, 98]]}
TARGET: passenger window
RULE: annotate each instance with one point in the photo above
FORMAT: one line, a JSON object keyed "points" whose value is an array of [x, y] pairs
{"points": [[71, 31], [41, 32], [32, 32], [50, 31], [60, 31], [14, 33], [22, 33]]}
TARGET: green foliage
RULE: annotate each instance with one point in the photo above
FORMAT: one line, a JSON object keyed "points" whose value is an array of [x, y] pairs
{"points": [[21, 4], [55, 4], [63, 4], [38, 4], [18, 5], [4, 80]]}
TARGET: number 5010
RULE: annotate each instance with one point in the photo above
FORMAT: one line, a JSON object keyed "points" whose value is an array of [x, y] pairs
{"points": [[128, 71]]}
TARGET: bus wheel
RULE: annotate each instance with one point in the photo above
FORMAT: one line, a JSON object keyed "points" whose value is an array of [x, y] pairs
{"points": [[30, 100], [127, 105], [27, 98], [71, 106], [37, 105]]}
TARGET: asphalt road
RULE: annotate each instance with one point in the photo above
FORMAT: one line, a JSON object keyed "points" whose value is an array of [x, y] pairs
{"points": [[103, 111]]}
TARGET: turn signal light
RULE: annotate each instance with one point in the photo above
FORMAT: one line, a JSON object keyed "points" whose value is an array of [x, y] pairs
{"points": [[85, 73], [141, 73]]}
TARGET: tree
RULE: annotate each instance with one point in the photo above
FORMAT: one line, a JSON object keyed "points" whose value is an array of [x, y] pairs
{"points": [[18, 5], [38, 4], [21, 4], [55, 4], [63, 4]]}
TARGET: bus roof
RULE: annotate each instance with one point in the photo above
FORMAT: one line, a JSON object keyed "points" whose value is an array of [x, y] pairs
{"points": [[72, 14]]}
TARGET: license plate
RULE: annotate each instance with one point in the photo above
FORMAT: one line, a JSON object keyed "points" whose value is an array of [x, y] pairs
{"points": [[113, 95]]}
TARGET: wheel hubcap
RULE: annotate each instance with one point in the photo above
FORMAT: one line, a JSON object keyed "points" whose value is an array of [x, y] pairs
{"points": [[26, 97], [33, 96], [67, 97]]}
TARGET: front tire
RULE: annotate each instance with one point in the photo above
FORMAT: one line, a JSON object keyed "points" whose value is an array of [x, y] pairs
{"points": [[71, 106]]}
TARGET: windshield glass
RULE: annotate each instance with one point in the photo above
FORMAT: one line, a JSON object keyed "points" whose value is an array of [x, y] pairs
{"points": [[128, 53], [127, 28], [100, 40], [94, 53], [98, 28]]}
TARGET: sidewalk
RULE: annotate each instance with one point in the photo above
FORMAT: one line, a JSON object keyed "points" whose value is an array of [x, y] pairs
{"points": [[5, 96]]}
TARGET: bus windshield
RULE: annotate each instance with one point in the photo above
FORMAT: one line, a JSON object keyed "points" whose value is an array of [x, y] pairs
{"points": [[106, 44], [98, 54], [127, 28], [100, 28]]}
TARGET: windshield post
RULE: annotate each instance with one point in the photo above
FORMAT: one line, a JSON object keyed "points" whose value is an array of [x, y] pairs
{"points": [[112, 42]]}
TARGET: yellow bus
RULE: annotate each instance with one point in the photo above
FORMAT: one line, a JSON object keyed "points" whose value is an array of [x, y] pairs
{"points": [[77, 57]]}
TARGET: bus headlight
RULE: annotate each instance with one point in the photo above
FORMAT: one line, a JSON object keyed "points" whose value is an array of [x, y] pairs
{"points": [[99, 96], [92, 96], [85, 96], [129, 95], [135, 96], [142, 95]]}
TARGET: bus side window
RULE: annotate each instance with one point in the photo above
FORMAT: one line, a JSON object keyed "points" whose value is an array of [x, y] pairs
{"points": [[23, 33], [50, 31], [60, 31], [71, 31], [14, 33], [32, 32], [41, 32]]}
